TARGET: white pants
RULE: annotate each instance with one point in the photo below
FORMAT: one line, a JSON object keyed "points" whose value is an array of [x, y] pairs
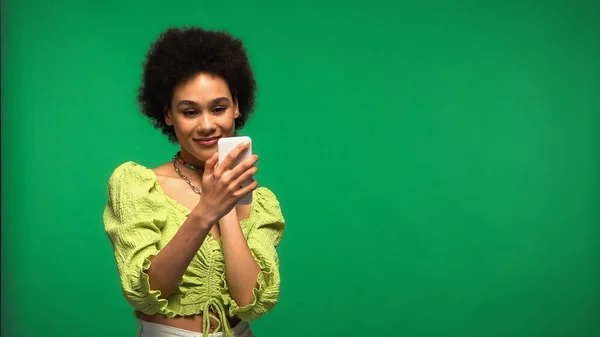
{"points": [[148, 329]]}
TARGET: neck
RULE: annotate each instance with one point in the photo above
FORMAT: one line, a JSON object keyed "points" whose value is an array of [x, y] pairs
{"points": [[190, 159]]}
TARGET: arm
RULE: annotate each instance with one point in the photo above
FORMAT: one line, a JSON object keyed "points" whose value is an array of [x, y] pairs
{"points": [[220, 193], [170, 263], [264, 230], [133, 221], [241, 269]]}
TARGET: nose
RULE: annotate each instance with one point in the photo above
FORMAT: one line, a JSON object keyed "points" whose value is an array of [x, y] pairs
{"points": [[206, 125]]}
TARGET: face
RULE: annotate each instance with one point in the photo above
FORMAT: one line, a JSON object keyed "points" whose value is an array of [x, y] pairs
{"points": [[202, 110]]}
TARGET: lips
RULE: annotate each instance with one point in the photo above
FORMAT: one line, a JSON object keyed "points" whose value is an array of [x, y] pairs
{"points": [[207, 141]]}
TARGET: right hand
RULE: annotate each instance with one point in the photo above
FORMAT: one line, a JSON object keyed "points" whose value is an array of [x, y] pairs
{"points": [[222, 186]]}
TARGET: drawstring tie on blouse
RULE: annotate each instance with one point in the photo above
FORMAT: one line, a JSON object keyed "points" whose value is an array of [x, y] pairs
{"points": [[221, 319]]}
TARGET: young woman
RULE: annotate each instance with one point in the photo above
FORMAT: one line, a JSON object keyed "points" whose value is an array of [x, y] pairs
{"points": [[190, 261]]}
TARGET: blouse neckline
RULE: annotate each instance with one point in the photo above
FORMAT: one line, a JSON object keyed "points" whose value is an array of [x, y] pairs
{"points": [[186, 211]]}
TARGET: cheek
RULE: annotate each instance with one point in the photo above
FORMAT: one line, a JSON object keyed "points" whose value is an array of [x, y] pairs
{"points": [[230, 133], [227, 123], [183, 126], [231, 127]]}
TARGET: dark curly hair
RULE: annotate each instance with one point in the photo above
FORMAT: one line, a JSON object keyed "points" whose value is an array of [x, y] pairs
{"points": [[181, 53]]}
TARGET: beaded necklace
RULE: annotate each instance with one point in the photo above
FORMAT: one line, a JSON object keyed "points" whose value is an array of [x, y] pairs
{"points": [[190, 166]]}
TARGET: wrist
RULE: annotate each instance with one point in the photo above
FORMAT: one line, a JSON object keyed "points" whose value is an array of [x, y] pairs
{"points": [[202, 218], [229, 218]]}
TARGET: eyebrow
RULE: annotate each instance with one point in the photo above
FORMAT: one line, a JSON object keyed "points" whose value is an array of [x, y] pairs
{"points": [[192, 103]]}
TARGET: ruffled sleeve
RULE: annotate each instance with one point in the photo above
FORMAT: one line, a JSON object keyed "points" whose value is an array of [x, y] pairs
{"points": [[133, 219], [266, 230]]}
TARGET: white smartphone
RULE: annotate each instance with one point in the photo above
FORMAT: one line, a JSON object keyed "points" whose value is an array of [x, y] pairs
{"points": [[226, 145]]}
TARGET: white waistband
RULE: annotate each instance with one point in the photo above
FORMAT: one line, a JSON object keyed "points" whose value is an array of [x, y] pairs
{"points": [[149, 329]]}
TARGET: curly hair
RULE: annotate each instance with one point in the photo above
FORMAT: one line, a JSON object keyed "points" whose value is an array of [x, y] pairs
{"points": [[181, 53]]}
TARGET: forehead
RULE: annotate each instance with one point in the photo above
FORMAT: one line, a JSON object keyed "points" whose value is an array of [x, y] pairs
{"points": [[202, 87]]}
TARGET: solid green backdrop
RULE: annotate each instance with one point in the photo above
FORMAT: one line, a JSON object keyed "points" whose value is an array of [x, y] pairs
{"points": [[437, 162]]}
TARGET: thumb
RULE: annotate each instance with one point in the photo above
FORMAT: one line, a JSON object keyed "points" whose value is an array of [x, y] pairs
{"points": [[209, 165]]}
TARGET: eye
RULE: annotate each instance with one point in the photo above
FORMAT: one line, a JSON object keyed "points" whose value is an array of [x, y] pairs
{"points": [[189, 112], [219, 109]]}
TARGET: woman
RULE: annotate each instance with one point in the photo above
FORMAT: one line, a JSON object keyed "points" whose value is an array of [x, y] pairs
{"points": [[190, 261]]}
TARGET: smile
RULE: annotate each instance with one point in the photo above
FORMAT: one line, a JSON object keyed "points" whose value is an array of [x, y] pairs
{"points": [[207, 141]]}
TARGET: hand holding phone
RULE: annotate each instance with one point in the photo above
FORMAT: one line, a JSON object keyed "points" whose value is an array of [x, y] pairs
{"points": [[227, 179], [225, 147]]}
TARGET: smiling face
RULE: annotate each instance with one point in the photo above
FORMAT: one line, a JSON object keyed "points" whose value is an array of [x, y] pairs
{"points": [[202, 111]]}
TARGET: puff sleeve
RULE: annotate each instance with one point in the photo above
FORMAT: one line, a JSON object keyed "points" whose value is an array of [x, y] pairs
{"points": [[266, 230], [133, 219]]}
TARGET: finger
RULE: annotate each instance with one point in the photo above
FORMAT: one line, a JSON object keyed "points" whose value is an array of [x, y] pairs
{"points": [[245, 177], [209, 165], [244, 166], [232, 156], [242, 192]]}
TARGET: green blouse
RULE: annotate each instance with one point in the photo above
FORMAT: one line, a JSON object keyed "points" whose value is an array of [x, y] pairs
{"points": [[140, 220]]}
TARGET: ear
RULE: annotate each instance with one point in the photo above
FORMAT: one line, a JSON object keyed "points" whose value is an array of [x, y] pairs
{"points": [[236, 109], [168, 117]]}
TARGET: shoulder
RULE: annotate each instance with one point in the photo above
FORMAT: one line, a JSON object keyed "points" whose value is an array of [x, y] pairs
{"points": [[130, 183], [265, 197], [131, 174], [265, 193], [132, 196], [266, 206]]}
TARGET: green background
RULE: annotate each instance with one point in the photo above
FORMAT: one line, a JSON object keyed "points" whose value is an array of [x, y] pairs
{"points": [[437, 161]]}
